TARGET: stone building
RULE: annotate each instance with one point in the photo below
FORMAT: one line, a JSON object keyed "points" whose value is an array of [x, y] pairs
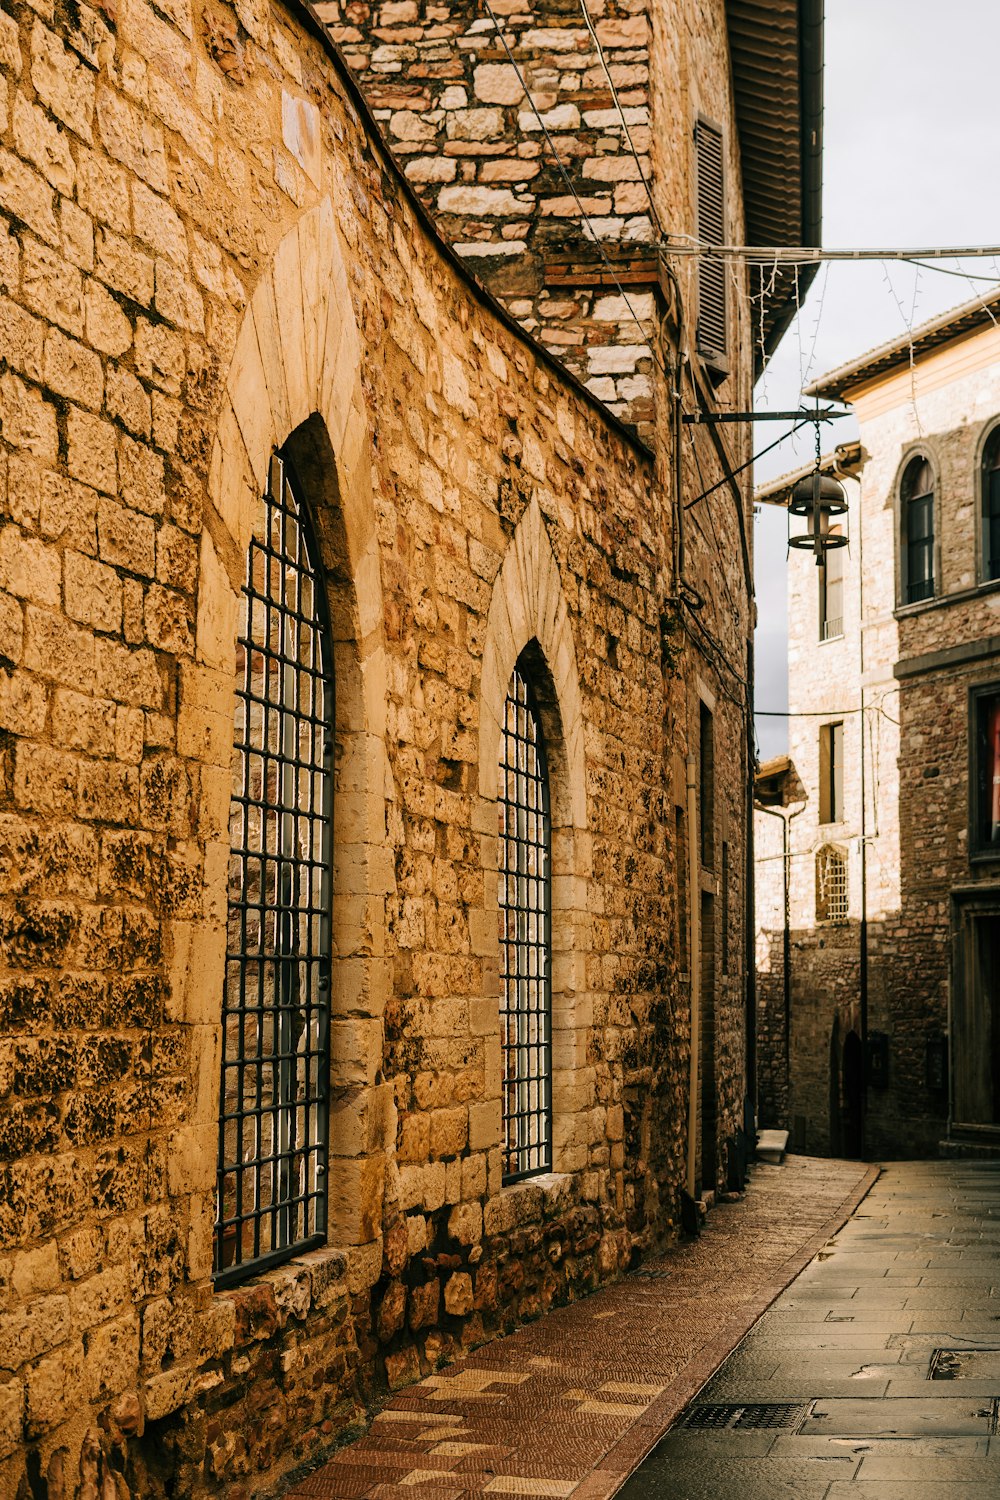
{"points": [[888, 796], [369, 705]]}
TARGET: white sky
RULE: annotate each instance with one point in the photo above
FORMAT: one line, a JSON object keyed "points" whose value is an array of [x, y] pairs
{"points": [[911, 137]]}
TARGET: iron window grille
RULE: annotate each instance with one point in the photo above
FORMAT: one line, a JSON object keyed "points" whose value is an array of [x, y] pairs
{"points": [[524, 895], [917, 495], [832, 902], [273, 1116]]}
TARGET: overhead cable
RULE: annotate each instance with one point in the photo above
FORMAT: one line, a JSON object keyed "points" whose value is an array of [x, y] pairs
{"points": [[618, 105], [501, 35], [806, 255]]}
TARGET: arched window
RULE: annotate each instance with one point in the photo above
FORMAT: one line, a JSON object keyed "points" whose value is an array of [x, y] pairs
{"points": [[990, 480], [524, 896], [272, 1172], [917, 530], [831, 884]]}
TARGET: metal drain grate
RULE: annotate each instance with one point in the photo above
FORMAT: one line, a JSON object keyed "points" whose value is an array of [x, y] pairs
{"points": [[650, 1273], [752, 1416]]}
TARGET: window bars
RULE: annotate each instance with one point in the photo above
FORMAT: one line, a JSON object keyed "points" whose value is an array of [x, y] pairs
{"points": [[832, 897], [272, 1182], [524, 891]]}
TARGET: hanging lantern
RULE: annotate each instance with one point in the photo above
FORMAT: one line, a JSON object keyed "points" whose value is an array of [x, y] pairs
{"points": [[817, 498]]}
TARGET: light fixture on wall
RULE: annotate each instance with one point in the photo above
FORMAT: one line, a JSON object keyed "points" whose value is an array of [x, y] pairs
{"points": [[818, 497]]}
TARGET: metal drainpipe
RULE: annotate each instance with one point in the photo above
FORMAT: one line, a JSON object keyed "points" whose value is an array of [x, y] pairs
{"points": [[694, 889]]}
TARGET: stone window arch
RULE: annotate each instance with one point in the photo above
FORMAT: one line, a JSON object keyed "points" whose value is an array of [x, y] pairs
{"points": [[294, 388], [832, 892], [528, 628]]}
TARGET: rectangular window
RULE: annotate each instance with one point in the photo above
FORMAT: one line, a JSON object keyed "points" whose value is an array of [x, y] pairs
{"points": [[984, 839], [711, 227], [831, 773], [706, 790], [920, 549], [831, 595]]}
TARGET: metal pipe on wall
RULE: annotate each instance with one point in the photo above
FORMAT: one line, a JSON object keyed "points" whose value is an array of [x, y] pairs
{"points": [[694, 899]]}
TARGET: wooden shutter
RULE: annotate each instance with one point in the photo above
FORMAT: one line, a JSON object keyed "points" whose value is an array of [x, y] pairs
{"points": [[831, 773], [711, 227]]}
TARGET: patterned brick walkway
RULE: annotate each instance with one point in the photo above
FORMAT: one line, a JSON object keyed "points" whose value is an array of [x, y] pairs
{"points": [[569, 1405]]}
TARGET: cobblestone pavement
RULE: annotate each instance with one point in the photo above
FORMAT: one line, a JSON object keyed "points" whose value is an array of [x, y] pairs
{"points": [[570, 1404], [884, 1353]]}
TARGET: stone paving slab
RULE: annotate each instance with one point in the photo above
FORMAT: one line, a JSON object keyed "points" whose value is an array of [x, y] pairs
{"points": [[568, 1406], [867, 1408]]}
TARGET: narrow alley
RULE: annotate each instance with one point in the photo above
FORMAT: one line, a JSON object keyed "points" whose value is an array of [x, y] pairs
{"points": [[874, 1376], [569, 1404]]}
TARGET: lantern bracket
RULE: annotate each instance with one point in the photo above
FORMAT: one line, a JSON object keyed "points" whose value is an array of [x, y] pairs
{"points": [[700, 418]]}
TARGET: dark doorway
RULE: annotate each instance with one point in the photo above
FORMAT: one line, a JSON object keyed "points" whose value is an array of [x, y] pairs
{"points": [[836, 1129], [976, 1018], [854, 1092]]}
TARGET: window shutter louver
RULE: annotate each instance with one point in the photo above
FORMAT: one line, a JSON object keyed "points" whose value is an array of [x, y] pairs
{"points": [[712, 228]]}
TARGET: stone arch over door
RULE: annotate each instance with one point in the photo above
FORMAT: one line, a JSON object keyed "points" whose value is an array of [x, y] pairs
{"points": [[294, 387], [528, 610]]}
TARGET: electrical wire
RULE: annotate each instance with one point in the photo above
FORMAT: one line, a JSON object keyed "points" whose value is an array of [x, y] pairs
{"points": [[588, 22], [947, 271], [824, 713], [592, 232]]}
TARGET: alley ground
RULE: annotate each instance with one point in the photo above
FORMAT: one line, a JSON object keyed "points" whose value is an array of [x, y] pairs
{"points": [[569, 1405], [876, 1376]]}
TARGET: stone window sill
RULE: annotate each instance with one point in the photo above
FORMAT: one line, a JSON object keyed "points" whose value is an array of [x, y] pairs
{"points": [[293, 1287], [525, 1202]]}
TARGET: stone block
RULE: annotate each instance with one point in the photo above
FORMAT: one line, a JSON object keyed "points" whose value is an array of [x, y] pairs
{"points": [[458, 1297], [62, 82], [424, 1305], [45, 144], [93, 593], [55, 1387], [11, 1415]]}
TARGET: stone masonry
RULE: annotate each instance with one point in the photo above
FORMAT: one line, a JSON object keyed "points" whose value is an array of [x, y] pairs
{"points": [[457, 117], [206, 256]]}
